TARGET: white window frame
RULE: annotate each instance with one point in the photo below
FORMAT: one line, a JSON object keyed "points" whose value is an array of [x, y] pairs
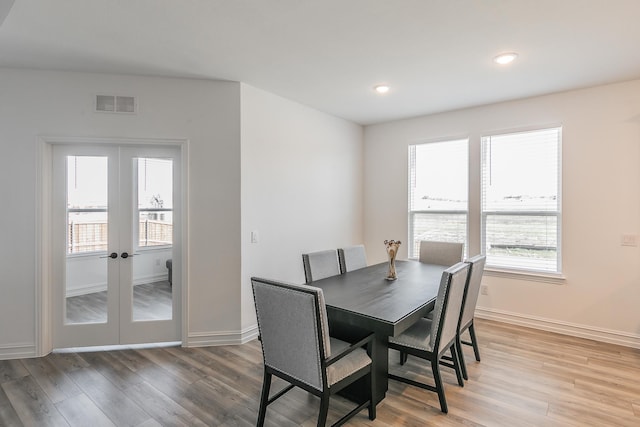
{"points": [[511, 271], [412, 212], [136, 224]]}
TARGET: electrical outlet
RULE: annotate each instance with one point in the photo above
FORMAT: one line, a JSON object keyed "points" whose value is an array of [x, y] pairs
{"points": [[484, 290], [629, 240]]}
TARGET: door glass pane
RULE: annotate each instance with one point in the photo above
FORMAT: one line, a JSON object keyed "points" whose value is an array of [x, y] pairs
{"points": [[152, 263], [86, 257]]}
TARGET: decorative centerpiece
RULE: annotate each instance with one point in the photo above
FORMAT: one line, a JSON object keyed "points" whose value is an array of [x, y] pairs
{"points": [[392, 250]]}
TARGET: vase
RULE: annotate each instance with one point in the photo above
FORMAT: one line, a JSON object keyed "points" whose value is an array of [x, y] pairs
{"points": [[392, 251]]}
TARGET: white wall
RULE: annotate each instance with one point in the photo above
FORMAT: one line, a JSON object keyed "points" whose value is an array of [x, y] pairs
{"points": [[301, 187], [207, 113], [601, 201]]}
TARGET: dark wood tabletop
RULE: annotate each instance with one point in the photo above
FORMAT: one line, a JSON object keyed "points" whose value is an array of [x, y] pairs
{"points": [[365, 298], [364, 301]]}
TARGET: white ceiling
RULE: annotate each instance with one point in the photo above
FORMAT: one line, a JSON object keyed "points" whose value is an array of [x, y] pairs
{"points": [[328, 54]]}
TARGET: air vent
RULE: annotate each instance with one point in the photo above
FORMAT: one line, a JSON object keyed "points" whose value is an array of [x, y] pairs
{"points": [[116, 104]]}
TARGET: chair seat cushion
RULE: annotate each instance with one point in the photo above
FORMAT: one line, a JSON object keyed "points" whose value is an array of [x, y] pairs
{"points": [[417, 336], [349, 364]]}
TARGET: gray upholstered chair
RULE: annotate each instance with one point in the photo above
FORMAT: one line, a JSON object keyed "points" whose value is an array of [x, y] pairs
{"points": [[296, 346], [321, 264], [352, 258], [476, 270], [441, 253], [470, 301], [431, 339]]}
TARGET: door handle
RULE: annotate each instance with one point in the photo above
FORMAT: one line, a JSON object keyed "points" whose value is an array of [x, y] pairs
{"points": [[112, 255], [126, 255]]}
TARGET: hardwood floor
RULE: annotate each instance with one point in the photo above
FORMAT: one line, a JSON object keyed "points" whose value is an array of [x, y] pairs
{"points": [[526, 378]]}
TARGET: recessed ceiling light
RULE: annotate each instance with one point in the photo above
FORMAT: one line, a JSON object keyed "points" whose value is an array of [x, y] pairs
{"points": [[381, 88], [505, 58]]}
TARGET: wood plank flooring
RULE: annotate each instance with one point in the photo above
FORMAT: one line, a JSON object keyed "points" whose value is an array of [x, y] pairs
{"points": [[526, 378]]}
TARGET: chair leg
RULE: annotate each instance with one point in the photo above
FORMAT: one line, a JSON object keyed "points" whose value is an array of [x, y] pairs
{"points": [[324, 409], [435, 367], [474, 341], [403, 357], [463, 365], [455, 359], [264, 399]]}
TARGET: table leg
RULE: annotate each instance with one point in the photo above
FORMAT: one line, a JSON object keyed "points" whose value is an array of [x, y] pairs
{"points": [[381, 366], [358, 391]]}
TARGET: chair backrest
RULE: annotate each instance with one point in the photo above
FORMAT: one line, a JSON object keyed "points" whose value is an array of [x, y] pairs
{"points": [[294, 332], [446, 312], [352, 258], [441, 253], [318, 265], [476, 269]]}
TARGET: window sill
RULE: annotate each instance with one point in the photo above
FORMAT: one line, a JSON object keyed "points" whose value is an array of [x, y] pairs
{"points": [[532, 276], [87, 254], [156, 248]]}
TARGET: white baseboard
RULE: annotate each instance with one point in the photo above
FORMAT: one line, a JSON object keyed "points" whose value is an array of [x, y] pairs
{"points": [[87, 289], [575, 330], [565, 328], [205, 339], [150, 279], [18, 351]]}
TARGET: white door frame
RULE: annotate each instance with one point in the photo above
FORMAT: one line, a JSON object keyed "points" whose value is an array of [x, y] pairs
{"points": [[44, 251]]}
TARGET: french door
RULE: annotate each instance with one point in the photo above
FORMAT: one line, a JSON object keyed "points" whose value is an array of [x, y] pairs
{"points": [[116, 237]]}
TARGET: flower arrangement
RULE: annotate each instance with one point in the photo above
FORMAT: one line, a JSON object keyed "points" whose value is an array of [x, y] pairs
{"points": [[392, 250]]}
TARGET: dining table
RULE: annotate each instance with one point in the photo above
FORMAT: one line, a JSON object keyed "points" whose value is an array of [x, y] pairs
{"points": [[363, 301]]}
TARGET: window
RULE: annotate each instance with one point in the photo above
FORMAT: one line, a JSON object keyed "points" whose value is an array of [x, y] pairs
{"points": [[155, 202], [438, 182], [86, 204], [521, 200]]}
